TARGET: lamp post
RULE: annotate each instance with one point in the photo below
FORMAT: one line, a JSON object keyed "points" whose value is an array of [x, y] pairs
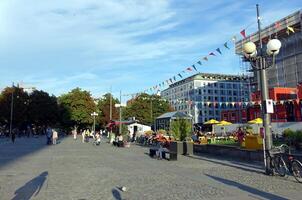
{"points": [[94, 114], [261, 61]]}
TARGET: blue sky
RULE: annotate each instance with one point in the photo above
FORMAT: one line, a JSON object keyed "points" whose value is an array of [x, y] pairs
{"points": [[57, 45]]}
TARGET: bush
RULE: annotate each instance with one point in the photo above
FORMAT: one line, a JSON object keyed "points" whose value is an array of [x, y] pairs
{"points": [[181, 129], [162, 131]]}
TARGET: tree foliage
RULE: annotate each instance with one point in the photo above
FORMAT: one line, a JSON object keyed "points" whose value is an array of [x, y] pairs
{"points": [[77, 106], [146, 108], [42, 108], [104, 108]]}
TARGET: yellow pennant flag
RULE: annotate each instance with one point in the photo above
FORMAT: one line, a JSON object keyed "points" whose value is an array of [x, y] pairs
{"points": [[290, 29]]}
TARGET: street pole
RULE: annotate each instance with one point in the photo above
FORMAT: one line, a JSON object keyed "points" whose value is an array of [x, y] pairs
{"points": [[151, 110], [94, 124], [110, 110], [120, 128], [264, 96], [11, 111]]}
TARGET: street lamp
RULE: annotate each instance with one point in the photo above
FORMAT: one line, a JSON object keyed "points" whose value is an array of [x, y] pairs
{"points": [[261, 61], [94, 114]]}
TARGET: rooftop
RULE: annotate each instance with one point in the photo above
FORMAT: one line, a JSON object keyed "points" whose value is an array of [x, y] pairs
{"points": [[173, 115]]}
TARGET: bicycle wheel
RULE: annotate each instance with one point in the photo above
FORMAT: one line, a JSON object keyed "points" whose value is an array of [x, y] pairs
{"points": [[297, 170], [279, 165]]}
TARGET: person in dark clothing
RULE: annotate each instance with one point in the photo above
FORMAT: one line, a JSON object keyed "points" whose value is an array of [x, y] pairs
{"points": [[14, 135]]}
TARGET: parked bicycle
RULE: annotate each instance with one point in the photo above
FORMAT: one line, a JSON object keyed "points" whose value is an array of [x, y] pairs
{"points": [[283, 163]]}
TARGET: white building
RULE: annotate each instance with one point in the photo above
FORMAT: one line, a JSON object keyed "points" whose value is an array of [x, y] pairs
{"points": [[205, 95], [138, 129]]}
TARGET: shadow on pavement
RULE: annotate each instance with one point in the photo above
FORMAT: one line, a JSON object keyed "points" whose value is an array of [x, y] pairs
{"points": [[116, 194], [31, 188], [246, 188], [236, 165], [10, 152]]}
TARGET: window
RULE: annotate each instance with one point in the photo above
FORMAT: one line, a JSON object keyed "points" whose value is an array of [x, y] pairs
{"points": [[229, 92], [209, 91], [222, 92], [215, 91], [199, 91], [210, 112], [215, 84], [222, 99], [235, 93], [230, 99], [221, 85], [216, 98], [216, 112], [235, 86]]}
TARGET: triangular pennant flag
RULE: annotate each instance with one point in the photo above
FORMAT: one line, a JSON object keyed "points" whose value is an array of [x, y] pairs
{"points": [[194, 67], [234, 38], [174, 78], [290, 29], [184, 71], [205, 58], [180, 75], [243, 33], [277, 25], [171, 80], [218, 50], [189, 69], [199, 62], [226, 45], [212, 54]]}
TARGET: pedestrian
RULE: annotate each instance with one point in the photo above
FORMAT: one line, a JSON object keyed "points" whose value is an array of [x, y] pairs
{"points": [[83, 136], [14, 135], [48, 135], [54, 136], [74, 132]]}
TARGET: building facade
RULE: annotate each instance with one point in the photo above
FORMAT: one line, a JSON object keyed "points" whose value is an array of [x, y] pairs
{"points": [[203, 96], [287, 72], [287, 107]]}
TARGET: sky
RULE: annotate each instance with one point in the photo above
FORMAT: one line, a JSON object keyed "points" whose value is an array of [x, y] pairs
{"points": [[129, 45]]}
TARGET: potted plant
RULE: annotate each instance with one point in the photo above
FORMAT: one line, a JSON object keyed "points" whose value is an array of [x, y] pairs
{"points": [[181, 129]]}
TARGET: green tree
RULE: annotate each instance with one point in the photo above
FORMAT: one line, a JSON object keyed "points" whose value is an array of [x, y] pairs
{"points": [[76, 108], [146, 108], [42, 108], [181, 128], [104, 107], [20, 100]]}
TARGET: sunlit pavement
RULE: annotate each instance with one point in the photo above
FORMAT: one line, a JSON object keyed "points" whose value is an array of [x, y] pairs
{"points": [[29, 169]]}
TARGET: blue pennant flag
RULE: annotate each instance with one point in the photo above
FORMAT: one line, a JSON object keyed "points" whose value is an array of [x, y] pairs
{"points": [[180, 75], [226, 45], [199, 62], [194, 67], [218, 50]]}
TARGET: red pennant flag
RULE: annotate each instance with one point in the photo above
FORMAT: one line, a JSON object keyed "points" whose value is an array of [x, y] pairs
{"points": [[277, 25], [212, 54], [189, 69], [243, 33]]}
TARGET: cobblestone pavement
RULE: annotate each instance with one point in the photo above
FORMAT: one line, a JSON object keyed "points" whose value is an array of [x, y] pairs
{"points": [[71, 170]]}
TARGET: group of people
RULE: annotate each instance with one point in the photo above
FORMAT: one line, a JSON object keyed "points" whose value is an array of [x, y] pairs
{"points": [[51, 136], [87, 134]]}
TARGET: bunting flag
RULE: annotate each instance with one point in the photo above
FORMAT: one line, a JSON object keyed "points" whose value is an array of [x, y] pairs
{"points": [[183, 71], [212, 54], [189, 69], [199, 62], [277, 25], [159, 85], [167, 82], [194, 67], [218, 50], [243, 33], [226, 45], [234, 38], [290, 29], [205, 58], [174, 78], [171, 80], [163, 83], [180, 75]]}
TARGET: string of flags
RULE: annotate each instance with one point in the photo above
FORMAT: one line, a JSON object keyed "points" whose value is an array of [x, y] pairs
{"points": [[238, 103], [203, 60]]}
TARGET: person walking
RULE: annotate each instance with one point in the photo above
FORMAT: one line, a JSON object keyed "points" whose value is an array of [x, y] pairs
{"points": [[74, 132], [54, 136], [83, 136], [48, 135], [14, 135]]}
